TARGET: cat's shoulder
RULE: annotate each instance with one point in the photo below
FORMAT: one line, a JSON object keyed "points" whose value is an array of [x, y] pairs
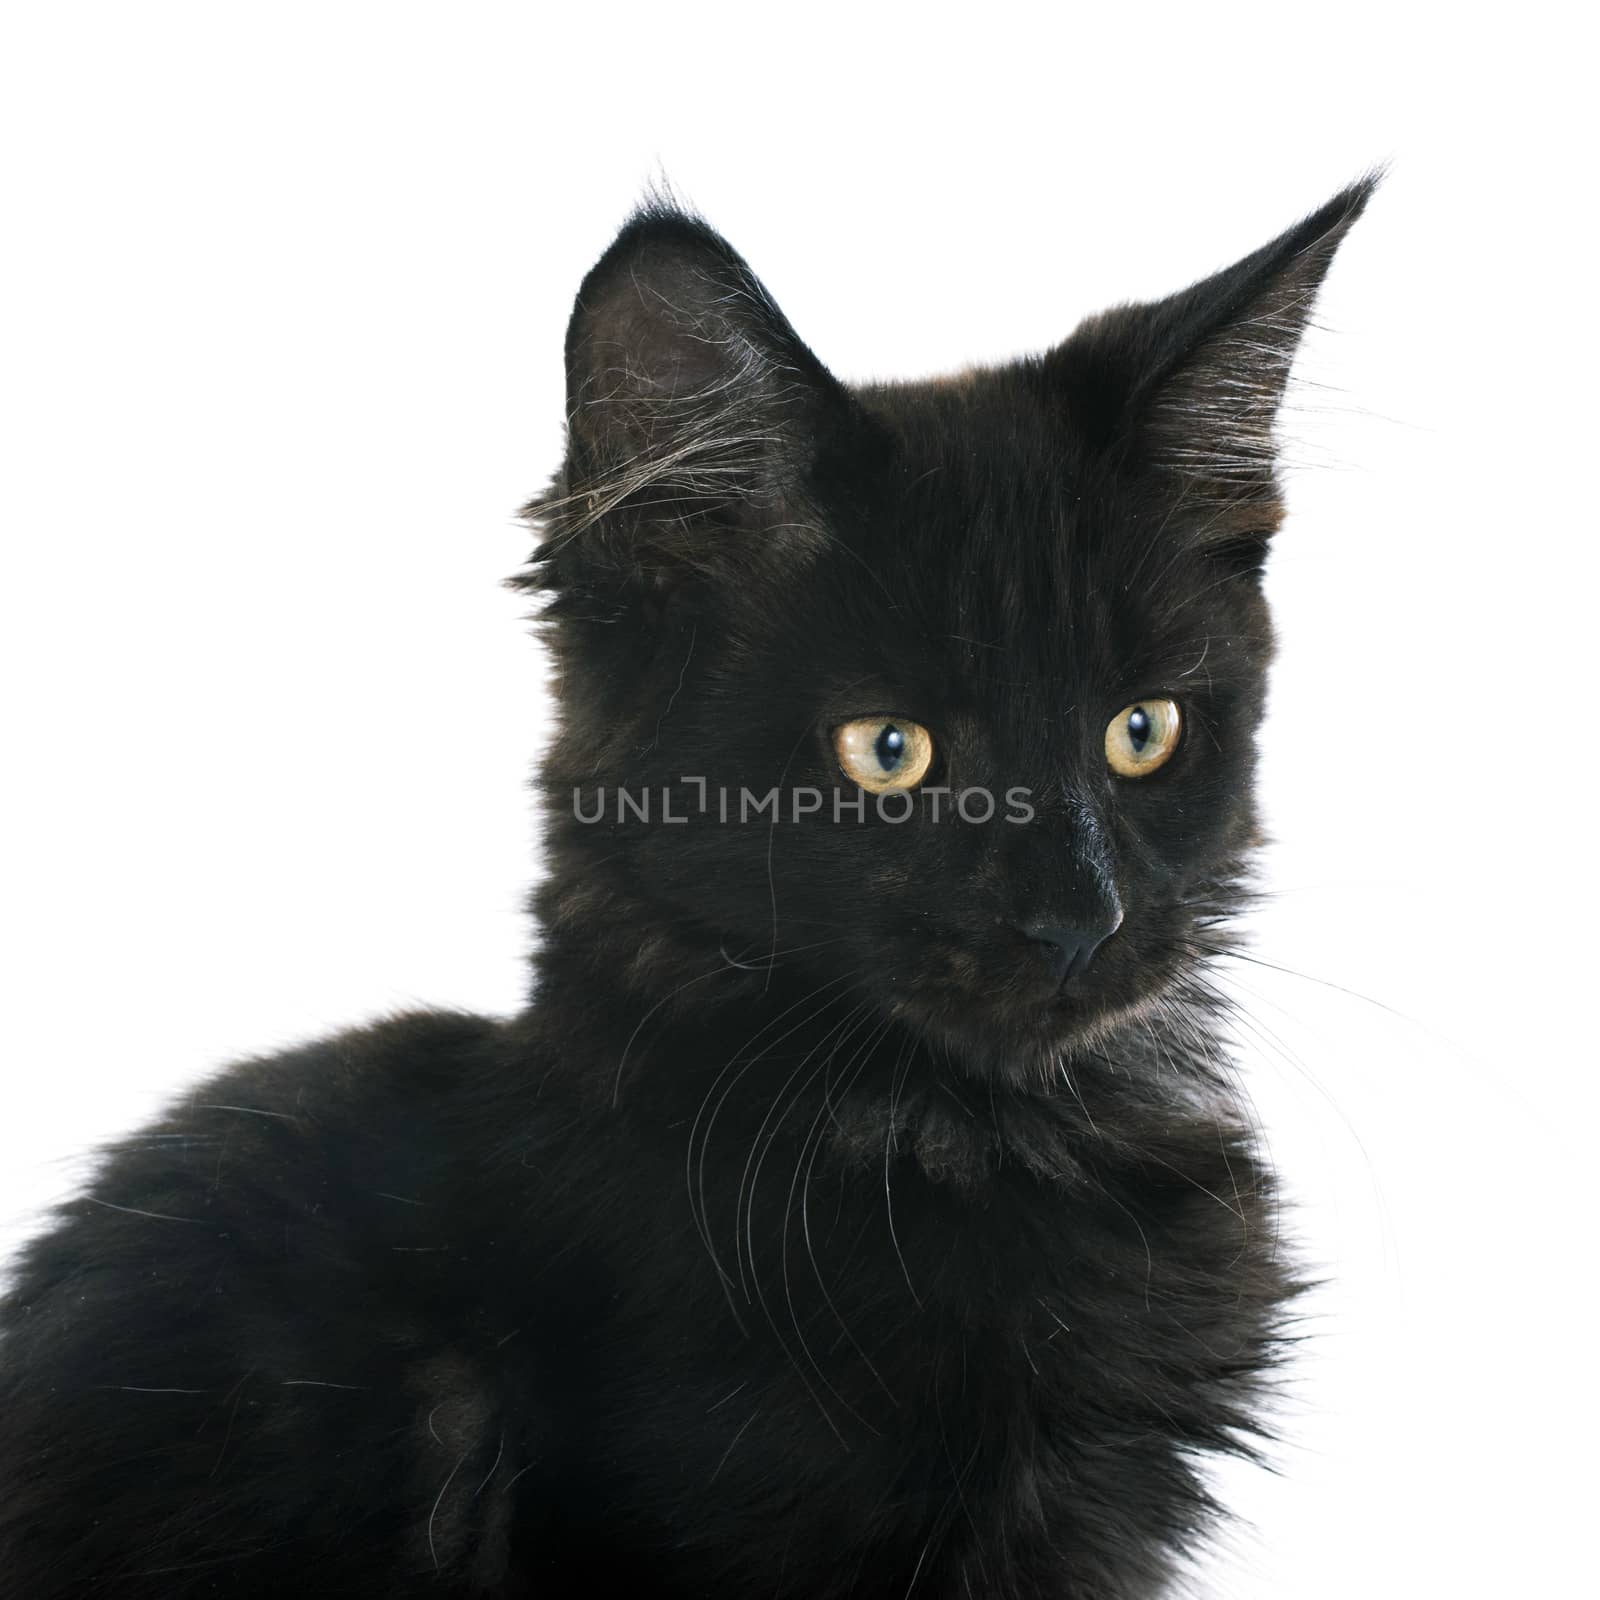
{"points": [[326, 1141], [271, 1271]]}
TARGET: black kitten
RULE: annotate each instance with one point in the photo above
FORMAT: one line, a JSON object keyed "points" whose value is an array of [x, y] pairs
{"points": [[861, 1206]]}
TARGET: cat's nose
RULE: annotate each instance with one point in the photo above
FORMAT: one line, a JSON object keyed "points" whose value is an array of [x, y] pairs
{"points": [[1068, 948]]}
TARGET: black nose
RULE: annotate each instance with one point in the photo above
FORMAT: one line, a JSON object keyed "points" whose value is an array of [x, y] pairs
{"points": [[1070, 949]]}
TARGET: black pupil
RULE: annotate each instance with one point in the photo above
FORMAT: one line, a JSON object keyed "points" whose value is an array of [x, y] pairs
{"points": [[891, 746], [1138, 729]]}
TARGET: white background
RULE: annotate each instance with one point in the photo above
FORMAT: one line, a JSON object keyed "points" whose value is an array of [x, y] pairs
{"points": [[283, 295]]}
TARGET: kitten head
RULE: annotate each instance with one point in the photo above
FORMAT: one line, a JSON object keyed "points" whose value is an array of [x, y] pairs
{"points": [[995, 643]]}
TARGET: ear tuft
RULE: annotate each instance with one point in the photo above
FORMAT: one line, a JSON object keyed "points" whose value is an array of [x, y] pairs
{"points": [[1191, 386], [689, 397], [1211, 414]]}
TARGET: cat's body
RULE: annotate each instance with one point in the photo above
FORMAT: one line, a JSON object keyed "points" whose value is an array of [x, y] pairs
{"points": [[831, 1224], [318, 1362]]}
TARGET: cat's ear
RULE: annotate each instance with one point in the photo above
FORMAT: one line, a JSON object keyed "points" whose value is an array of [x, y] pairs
{"points": [[693, 409], [1190, 387]]}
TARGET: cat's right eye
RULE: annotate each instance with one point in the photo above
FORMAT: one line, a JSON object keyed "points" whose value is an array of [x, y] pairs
{"points": [[882, 753]]}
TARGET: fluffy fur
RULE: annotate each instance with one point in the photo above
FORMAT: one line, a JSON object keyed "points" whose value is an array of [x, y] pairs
{"points": [[807, 1235]]}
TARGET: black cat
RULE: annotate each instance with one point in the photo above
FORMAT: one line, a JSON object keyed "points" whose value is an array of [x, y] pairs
{"points": [[861, 1207]]}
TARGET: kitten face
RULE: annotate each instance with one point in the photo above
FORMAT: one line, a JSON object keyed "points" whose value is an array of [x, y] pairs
{"points": [[745, 557]]}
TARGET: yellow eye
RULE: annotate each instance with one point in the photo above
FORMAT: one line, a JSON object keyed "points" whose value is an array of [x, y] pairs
{"points": [[1141, 737], [883, 753]]}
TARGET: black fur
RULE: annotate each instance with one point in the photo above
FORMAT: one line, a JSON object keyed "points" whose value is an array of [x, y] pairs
{"points": [[804, 1237]]}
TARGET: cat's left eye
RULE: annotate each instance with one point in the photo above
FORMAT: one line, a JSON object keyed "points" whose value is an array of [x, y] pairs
{"points": [[882, 753], [1142, 737]]}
